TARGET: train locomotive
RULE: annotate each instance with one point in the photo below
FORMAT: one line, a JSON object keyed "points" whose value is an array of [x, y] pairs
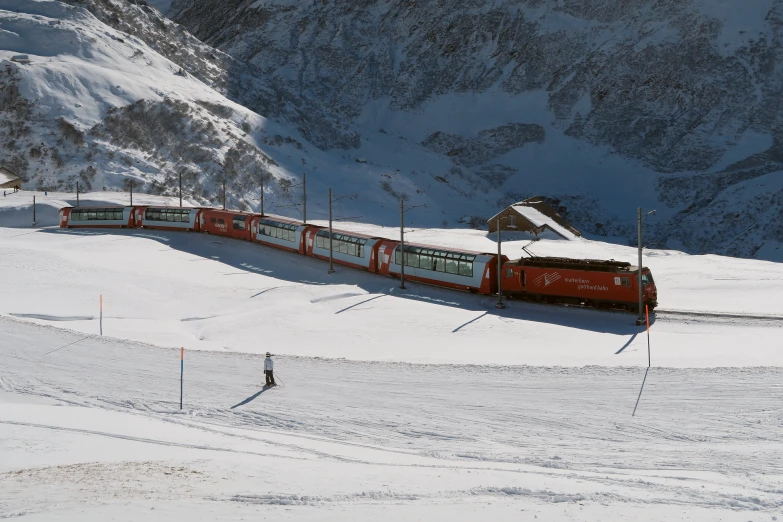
{"points": [[583, 282]]}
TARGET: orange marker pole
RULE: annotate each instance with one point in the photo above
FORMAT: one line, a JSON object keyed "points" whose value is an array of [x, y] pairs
{"points": [[181, 373], [101, 320], [647, 313]]}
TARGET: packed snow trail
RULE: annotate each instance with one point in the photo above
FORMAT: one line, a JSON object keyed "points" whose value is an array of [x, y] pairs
{"points": [[701, 438]]}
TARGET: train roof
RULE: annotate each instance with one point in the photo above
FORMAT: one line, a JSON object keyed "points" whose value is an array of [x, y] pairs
{"points": [[442, 248], [226, 211], [283, 219], [594, 265], [349, 233]]}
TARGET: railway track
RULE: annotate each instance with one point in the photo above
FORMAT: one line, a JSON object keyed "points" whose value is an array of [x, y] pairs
{"points": [[662, 313]]}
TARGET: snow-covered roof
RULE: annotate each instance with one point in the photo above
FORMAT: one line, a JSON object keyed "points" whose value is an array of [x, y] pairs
{"points": [[539, 219]]}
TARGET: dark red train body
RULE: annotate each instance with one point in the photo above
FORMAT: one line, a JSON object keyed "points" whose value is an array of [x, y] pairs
{"points": [[585, 282], [226, 223], [589, 282]]}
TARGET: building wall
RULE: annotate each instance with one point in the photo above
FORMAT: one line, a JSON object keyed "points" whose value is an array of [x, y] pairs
{"points": [[12, 184], [522, 223]]}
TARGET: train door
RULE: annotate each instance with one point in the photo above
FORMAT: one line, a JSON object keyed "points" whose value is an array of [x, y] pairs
{"points": [[254, 228], [385, 253], [373, 266], [303, 241], [197, 221]]}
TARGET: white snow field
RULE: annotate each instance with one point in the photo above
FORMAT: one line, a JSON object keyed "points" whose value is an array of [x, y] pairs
{"points": [[418, 405]]}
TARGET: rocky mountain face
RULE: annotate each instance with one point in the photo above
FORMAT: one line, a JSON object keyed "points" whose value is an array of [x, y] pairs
{"points": [[114, 93], [600, 105], [462, 105]]}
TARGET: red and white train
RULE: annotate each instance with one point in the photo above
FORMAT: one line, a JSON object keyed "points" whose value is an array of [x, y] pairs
{"points": [[602, 284]]}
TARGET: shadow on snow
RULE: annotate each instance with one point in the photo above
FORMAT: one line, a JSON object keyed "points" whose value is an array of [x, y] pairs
{"points": [[296, 269]]}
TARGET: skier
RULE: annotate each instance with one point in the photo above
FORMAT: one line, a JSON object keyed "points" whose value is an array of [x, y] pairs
{"points": [[269, 367]]}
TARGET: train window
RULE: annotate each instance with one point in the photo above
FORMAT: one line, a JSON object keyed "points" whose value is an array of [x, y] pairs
{"points": [[626, 281], [221, 222], [91, 214], [509, 272], [342, 243], [647, 279], [239, 222], [101, 214], [277, 229], [522, 277], [440, 264], [441, 261]]}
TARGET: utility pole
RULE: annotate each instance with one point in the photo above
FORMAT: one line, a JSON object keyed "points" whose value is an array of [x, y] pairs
{"points": [[131, 194], [640, 319], [331, 250], [77, 193], [33, 209], [304, 198], [224, 194], [402, 244], [262, 196], [180, 189], [402, 240], [499, 304]]}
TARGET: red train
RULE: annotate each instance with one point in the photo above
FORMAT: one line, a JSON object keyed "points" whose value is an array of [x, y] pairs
{"points": [[586, 282]]}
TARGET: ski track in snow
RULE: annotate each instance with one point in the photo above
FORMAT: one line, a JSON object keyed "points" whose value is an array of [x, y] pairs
{"points": [[700, 437]]}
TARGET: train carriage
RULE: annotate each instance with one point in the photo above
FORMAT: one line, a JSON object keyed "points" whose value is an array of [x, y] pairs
{"points": [[280, 232], [439, 266], [96, 217], [597, 283], [227, 223], [167, 218], [590, 282], [348, 248]]}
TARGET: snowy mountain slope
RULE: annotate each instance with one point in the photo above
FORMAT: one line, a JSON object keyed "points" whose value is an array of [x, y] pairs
{"points": [[670, 105], [116, 93]]}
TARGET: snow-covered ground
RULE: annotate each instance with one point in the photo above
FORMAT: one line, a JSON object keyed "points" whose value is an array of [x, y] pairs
{"points": [[516, 414]]}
